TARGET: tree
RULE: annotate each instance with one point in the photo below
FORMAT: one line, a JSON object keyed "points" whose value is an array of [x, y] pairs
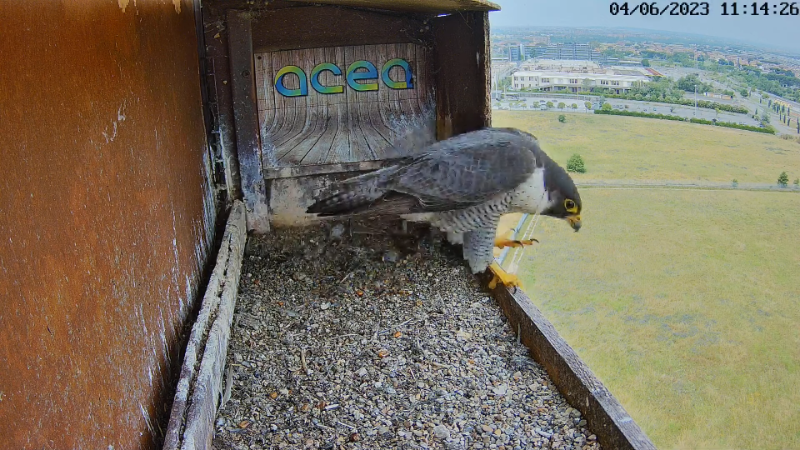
{"points": [[588, 105], [574, 106], [504, 83], [645, 63], [549, 105], [688, 83], [796, 182], [561, 105], [562, 118], [606, 107], [783, 179], [575, 164], [744, 92]]}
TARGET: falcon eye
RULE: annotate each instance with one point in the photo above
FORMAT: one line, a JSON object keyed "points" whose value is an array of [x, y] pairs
{"points": [[570, 205]]}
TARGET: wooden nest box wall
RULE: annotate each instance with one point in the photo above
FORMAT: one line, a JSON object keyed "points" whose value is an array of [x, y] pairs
{"points": [[308, 93]]}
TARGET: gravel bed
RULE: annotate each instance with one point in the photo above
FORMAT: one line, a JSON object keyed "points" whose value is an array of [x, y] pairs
{"points": [[346, 338]]}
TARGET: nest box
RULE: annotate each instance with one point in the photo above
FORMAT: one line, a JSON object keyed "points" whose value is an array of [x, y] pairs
{"points": [[320, 91]]}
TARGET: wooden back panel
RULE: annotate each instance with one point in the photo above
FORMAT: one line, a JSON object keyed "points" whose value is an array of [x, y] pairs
{"points": [[310, 127]]}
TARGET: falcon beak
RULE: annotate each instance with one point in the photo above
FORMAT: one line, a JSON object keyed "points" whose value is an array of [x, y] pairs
{"points": [[574, 222]]}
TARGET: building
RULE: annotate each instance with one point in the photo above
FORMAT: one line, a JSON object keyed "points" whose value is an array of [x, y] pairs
{"points": [[560, 65], [530, 51], [516, 52], [570, 51], [619, 81]]}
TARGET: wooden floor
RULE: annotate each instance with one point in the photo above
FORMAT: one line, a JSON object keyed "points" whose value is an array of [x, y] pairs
{"points": [[351, 126]]}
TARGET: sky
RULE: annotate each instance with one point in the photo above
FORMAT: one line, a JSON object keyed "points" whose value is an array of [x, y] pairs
{"points": [[779, 32]]}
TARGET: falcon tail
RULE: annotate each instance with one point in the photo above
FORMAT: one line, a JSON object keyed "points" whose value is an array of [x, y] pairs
{"points": [[372, 201], [347, 202]]}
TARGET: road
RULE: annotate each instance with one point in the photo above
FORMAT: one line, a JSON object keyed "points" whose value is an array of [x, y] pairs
{"points": [[637, 106], [751, 103], [701, 185]]}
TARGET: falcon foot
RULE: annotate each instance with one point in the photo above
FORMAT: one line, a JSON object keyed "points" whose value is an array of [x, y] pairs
{"points": [[501, 276], [503, 243]]}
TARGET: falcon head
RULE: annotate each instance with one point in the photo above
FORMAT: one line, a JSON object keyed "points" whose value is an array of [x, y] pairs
{"points": [[564, 200]]}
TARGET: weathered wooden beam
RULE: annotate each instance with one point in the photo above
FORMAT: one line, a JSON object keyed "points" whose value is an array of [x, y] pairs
{"points": [[463, 73], [604, 415], [334, 27], [219, 97], [191, 423], [245, 114]]}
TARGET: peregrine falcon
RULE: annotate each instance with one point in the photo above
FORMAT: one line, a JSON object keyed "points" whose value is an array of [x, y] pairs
{"points": [[462, 185]]}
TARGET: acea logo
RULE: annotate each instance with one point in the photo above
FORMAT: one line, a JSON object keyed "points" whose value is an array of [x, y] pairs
{"points": [[357, 71]]}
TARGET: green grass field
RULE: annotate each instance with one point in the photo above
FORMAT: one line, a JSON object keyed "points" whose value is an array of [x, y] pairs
{"points": [[685, 303], [630, 148]]}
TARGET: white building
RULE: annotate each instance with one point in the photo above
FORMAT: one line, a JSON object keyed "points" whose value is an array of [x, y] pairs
{"points": [[619, 81], [560, 65]]}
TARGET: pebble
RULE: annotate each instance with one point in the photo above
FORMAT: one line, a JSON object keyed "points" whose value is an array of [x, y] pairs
{"points": [[344, 351], [441, 432], [337, 231]]}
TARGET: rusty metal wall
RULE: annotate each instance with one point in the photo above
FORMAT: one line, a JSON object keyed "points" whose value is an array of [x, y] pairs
{"points": [[105, 217]]}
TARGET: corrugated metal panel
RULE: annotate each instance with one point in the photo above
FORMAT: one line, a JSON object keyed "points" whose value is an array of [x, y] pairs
{"points": [[105, 218]]}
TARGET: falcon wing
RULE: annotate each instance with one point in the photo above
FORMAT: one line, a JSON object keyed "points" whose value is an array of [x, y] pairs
{"points": [[456, 173], [466, 170]]}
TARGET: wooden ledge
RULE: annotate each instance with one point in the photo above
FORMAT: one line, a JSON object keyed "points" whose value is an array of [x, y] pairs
{"points": [[191, 422], [604, 415]]}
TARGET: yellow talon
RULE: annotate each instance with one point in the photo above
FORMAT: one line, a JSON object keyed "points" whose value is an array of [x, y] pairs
{"points": [[500, 275], [503, 243]]}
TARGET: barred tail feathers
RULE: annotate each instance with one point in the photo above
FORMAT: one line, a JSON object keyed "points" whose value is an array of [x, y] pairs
{"points": [[344, 202]]}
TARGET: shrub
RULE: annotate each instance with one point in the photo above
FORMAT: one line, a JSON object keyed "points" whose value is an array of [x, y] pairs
{"points": [[588, 105], [638, 114], [767, 129], [562, 118], [575, 164], [783, 179], [606, 107], [796, 182], [561, 105], [687, 102], [735, 182]]}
